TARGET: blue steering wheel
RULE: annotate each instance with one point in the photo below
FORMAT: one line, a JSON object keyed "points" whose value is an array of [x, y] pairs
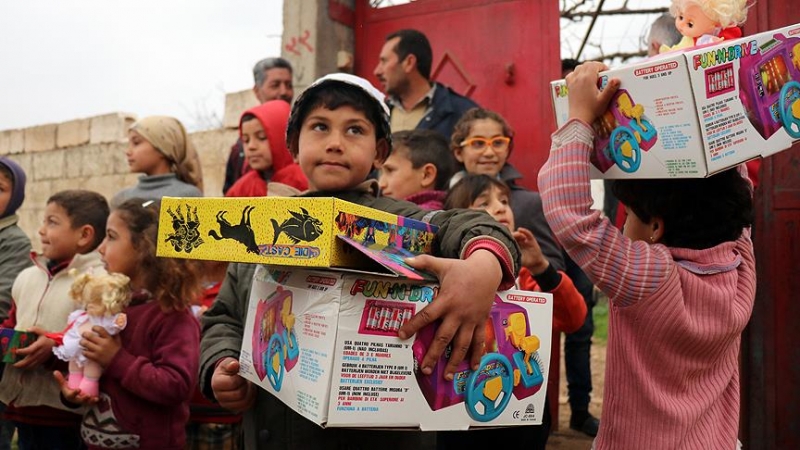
{"points": [[790, 93], [275, 376], [493, 367], [620, 136]]}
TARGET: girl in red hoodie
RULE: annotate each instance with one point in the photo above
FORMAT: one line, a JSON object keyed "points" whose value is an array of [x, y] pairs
{"points": [[263, 133]]}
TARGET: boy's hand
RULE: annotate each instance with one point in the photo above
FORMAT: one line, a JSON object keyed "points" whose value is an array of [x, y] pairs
{"points": [[586, 101], [531, 254], [231, 390], [99, 346], [37, 353], [466, 294], [73, 395]]}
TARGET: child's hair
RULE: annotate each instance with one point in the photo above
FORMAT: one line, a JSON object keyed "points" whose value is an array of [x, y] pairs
{"points": [[175, 283], [464, 193], [464, 126], [427, 147], [112, 289], [727, 12], [698, 213], [84, 208], [332, 92]]}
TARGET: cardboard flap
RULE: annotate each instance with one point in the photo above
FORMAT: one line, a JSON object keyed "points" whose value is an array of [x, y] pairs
{"points": [[390, 257]]}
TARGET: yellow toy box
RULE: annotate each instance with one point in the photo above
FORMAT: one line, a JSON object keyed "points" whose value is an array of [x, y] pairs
{"points": [[694, 113], [292, 231]]}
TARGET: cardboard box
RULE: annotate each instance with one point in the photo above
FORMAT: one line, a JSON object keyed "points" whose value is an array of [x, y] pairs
{"points": [[692, 114], [325, 343], [306, 232]]}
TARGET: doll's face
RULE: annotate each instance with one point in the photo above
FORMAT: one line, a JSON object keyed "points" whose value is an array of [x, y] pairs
{"points": [[95, 308], [691, 21]]}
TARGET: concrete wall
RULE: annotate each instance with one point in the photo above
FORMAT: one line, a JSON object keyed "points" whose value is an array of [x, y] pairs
{"points": [[90, 154]]}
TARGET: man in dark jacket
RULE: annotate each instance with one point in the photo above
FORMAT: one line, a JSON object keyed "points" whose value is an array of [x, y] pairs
{"points": [[404, 70]]}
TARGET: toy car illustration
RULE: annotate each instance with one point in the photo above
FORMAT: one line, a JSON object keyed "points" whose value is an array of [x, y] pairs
{"points": [[770, 87], [623, 132], [511, 366], [274, 341]]}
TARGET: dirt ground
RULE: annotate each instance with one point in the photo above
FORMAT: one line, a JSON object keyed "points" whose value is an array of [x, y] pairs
{"points": [[565, 438]]}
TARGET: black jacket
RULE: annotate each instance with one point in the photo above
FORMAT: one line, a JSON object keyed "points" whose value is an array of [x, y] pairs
{"points": [[446, 108]]}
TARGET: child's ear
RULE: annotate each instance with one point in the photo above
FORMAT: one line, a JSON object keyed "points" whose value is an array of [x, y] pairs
{"points": [[381, 153], [429, 173], [657, 227], [457, 152], [86, 237]]}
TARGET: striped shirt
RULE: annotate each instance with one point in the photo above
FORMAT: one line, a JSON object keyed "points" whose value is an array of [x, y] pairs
{"points": [[676, 316]]}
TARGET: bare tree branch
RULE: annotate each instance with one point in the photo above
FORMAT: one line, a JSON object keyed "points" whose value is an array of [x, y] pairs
{"points": [[574, 15]]}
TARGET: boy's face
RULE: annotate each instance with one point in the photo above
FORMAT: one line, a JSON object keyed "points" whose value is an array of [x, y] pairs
{"points": [[60, 241], [5, 192], [117, 251], [256, 145], [143, 157], [479, 154], [337, 148], [399, 179]]}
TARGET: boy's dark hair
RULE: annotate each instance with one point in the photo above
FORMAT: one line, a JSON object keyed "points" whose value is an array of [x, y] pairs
{"points": [[427, 147], [174, 282], [413, 42], [333, 96], [463, 127], [471, 187], [568, 65], [84, 208], [6, 172], [698, 213]]}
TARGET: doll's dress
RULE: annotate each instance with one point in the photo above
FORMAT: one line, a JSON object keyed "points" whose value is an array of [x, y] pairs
{"points": [[71, 346]]}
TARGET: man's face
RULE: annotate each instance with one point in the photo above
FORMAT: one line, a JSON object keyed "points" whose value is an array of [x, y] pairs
{"points": [[390, 71], [277, 85]]}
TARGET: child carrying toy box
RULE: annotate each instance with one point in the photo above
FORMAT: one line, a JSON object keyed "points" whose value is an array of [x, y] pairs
{"points": [[339, 131]]}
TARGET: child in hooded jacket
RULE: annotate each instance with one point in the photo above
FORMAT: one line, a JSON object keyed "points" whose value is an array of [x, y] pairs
{"points": [[263, 133]]}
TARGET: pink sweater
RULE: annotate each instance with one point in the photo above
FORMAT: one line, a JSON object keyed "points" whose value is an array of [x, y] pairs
{"points": [[676, 316]]}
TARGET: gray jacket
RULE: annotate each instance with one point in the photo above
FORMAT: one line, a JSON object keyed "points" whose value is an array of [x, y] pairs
{"points": [[15, 255]]}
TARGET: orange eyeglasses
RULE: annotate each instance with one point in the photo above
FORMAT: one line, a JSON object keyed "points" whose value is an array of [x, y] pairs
{"points": [[479, 144]]}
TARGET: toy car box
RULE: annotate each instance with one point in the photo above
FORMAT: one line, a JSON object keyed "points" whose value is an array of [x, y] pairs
{"points": [[325, 343], [292, 231], [695, 113]]}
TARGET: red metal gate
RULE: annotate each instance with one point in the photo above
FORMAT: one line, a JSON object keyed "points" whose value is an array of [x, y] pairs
{"points": [[500, 53], [771, 345]]}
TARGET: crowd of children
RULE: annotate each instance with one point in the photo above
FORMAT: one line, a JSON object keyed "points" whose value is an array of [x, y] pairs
{"points": [[680, 278]]}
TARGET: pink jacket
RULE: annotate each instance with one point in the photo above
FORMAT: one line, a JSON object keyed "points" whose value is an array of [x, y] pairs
{"points": [[676, 316]]}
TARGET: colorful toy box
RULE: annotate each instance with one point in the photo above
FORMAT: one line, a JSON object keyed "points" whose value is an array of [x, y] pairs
{"points": [[325, 343], [695, 113], [307, 232]]}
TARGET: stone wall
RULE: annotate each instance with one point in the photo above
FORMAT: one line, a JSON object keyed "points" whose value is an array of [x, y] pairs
{"points": [[90, 154]]}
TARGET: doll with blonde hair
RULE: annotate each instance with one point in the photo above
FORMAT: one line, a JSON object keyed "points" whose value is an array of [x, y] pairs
{"points": [[703, 22], [101, 297]]}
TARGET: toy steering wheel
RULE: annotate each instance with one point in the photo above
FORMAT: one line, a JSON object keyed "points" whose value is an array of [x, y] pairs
{"points": [[627, 163], [790, 108], [274, 349], [490, 386], [291, 343]]}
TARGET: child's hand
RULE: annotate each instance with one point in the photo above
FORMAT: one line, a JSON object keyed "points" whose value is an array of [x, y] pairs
{"points": [[231, 390], [37, 353], [586, 101], [531, 254], [99, 346], [73, 395], [466, 294]]}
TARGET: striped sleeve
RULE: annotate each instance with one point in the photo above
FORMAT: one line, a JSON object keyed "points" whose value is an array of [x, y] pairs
{"points": [[625, 270]]}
